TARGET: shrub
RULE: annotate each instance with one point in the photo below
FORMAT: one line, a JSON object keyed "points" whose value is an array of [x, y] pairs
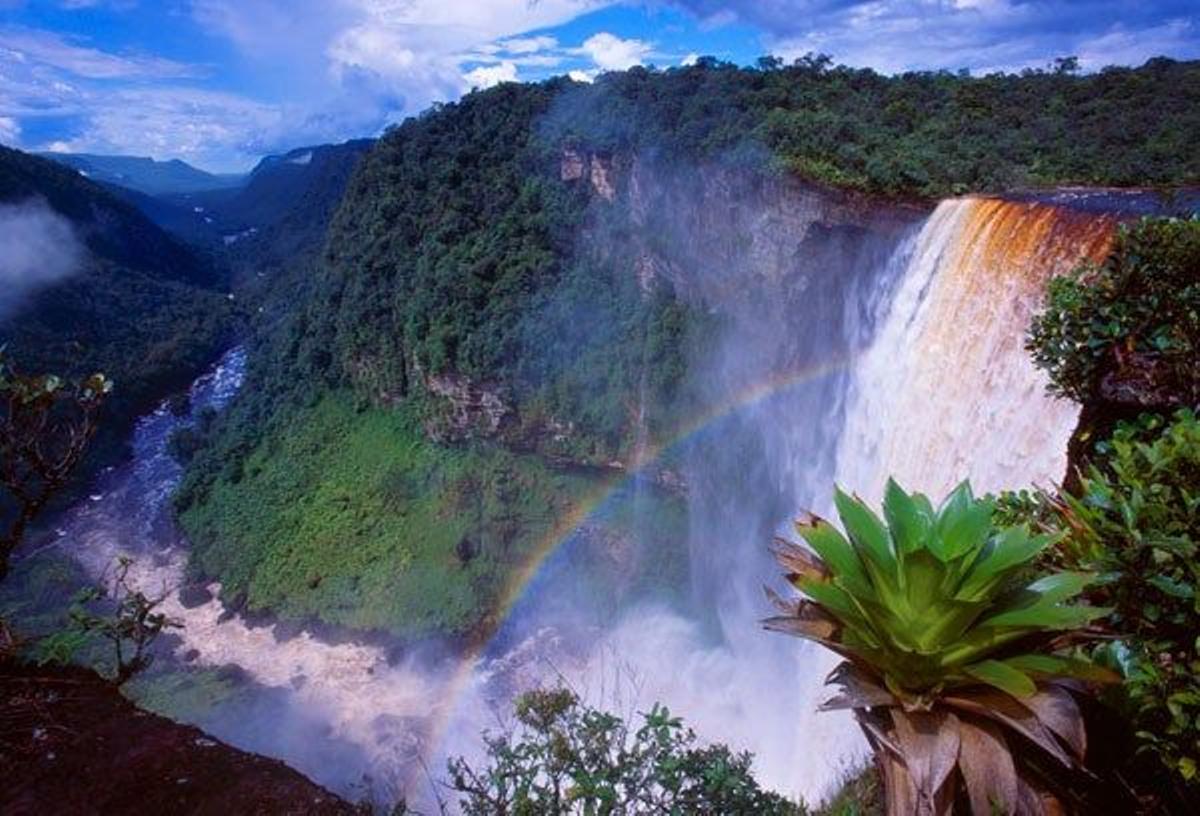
{"points": [[952, 647], [1137, 522], [571, 758], [1127, 330]]}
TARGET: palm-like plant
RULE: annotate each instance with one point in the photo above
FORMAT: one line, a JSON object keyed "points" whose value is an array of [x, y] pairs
{"points": [[949, 640]]}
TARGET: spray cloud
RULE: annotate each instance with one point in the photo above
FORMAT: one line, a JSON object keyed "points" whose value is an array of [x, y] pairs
{"points": [[38, 247]]}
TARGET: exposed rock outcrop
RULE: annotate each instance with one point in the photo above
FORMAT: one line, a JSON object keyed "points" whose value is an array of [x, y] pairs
{"points": [[599, 169], [70, 743], [471, 409]]}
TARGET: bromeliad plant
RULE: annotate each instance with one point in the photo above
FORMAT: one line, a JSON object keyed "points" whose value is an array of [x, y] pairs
{"points": [[950, 640]]}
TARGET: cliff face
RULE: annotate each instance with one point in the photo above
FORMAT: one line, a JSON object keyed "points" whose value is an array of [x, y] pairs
{"points": [[719, 235], [748, 248], [70, 743]]}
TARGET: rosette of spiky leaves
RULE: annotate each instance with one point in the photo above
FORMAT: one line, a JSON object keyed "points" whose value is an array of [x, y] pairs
{"points": [[949, 639]]}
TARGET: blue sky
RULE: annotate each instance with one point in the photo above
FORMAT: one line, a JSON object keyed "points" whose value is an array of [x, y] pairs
{"points": [[219, 83]]}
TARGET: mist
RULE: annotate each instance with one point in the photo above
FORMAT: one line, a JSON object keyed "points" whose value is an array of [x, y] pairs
{"points": [[40, 248]]}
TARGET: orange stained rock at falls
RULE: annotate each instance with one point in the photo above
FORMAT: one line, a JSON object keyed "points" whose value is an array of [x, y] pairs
{"points": [[954, 357], [996, 271]]}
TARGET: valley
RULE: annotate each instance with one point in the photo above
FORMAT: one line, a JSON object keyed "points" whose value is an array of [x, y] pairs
{"points": [[518, 394]]}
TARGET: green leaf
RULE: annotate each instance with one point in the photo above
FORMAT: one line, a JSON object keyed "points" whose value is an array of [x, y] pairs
{"points": [[1009, 549], [836, 552], [909, 522], [1046, 617], [1050, 666], [1004, 677], [1060, 586], [866, 531], [1175, 589], [963, 523]]}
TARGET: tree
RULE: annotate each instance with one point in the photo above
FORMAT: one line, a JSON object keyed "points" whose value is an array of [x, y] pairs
{"points": [[45, 426], [132, 626]]}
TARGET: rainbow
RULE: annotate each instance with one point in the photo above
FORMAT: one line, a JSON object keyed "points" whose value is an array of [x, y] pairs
{"points": [[566, 526], [996, 241]]}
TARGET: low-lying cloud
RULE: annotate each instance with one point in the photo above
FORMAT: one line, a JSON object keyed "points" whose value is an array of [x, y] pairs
{"points": [[40, 247]]}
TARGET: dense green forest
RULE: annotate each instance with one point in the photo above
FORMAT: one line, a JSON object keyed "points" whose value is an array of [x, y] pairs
{"points": [[460, 253], [143, 308], [923, 134]]}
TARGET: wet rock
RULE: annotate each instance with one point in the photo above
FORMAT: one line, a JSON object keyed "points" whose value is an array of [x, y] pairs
{"points": [[233, 606], [194, 595], [472, 409], [233, 673], [286, 630]]}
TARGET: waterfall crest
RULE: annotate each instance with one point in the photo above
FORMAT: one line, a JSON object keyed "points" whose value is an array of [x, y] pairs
{"points": [[947, 391]]}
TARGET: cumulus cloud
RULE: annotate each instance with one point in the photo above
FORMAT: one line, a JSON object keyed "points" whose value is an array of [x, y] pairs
{"points": [[361, 64], [611, 53], [40, 248], [485, 76]]}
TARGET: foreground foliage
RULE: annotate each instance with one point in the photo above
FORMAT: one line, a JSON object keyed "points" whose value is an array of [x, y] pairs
{"points": [[1135, 521], [952, 647], [1123, 339], [1127, 330], [46, 425], [569, 758]]}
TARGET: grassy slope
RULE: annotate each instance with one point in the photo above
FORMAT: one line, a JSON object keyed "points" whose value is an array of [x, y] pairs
{"points": [[354, 517]]}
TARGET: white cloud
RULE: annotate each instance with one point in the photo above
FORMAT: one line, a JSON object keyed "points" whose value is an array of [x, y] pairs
{"points": [[690, 59], [611, 53], [485, 76], [10, 130], [209, 128], [582, 76], [527, 45], [1123, 46], [41, 48], [361, 64]]}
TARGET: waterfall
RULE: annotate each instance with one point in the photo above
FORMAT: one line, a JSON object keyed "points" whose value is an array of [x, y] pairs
{"points": [[946, 390]]}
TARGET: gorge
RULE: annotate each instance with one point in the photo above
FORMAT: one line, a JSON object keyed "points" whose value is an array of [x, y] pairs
{"points": [[866, 314]]}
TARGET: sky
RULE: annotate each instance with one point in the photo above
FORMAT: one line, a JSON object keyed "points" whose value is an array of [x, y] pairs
{"points": [[220, 83]]}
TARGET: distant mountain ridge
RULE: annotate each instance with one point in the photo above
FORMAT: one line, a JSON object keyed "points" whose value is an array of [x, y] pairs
{"points": [[142, 306], [144, 174]]}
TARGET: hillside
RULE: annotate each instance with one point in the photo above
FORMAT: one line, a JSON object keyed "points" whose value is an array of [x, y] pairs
{"points": [[134, 302], [144, 174], [507, 277]]}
